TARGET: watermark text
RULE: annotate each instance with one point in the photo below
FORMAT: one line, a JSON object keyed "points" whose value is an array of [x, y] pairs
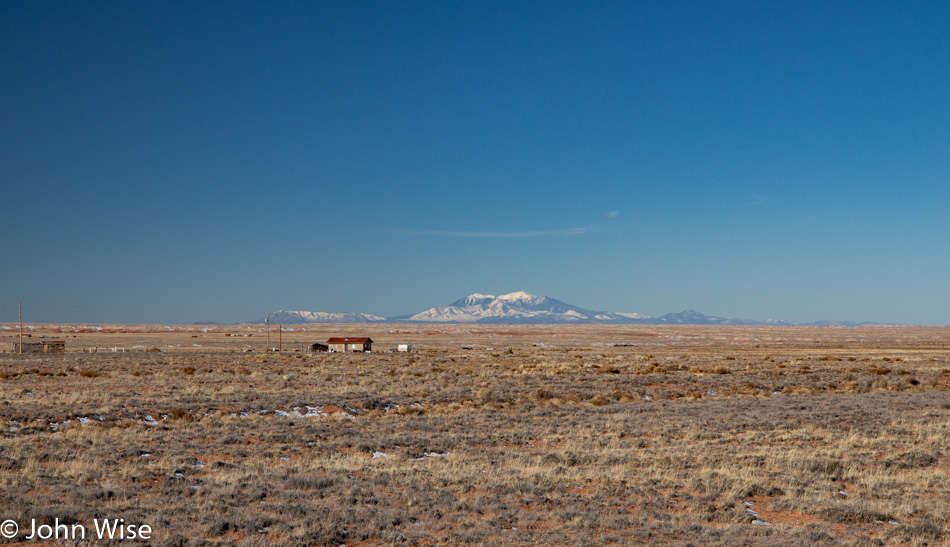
{"points": [[101, 529]]}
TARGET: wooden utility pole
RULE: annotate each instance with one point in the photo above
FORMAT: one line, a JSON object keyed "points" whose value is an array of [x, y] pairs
{"points": [[280, 338], [267, 322], [20, 308]]}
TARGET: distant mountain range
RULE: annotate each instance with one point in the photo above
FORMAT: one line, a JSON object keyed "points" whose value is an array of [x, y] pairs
{"points": [[522, 308], [287, 317], [516, 307]]}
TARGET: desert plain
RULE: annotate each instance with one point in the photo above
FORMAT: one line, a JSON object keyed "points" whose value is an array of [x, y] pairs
{"points": [[481, 435]]}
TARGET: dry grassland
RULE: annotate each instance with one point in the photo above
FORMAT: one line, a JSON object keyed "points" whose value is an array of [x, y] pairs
{"points": [[557, 435]]}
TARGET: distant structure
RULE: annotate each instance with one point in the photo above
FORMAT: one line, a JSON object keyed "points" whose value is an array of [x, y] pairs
{"points": [[319, 348], [350, 344], [404, 347], [46, 346]]}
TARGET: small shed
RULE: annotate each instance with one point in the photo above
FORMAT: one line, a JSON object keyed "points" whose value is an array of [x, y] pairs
{"points": [[404, 347], [46, 346], [319, 348], [350, 344]]}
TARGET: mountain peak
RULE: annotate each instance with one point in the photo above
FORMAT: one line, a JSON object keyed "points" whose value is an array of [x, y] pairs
{"points": [[518, 296], [515, 307], [473, 299]]}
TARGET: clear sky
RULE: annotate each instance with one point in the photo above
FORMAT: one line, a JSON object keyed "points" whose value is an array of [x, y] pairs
{"points": [[170, 162]]}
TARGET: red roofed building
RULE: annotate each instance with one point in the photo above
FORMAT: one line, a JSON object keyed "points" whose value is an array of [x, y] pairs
{"points": [[350, 344]]}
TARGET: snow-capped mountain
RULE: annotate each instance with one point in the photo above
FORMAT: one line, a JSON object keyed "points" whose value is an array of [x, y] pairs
{"points": [[516, 307], [287, 317], [523, 308]]}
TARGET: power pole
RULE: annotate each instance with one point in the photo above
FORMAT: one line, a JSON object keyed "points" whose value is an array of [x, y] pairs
{"points": [[280, 338], [267, 322], [20, 308]]}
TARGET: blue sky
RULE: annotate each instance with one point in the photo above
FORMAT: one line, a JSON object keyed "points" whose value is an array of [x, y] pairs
{"points": [[173, 162]]}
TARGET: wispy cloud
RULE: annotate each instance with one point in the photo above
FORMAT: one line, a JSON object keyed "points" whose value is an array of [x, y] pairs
{"points": [[534, 233], [612, 214], [755, 200]]}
